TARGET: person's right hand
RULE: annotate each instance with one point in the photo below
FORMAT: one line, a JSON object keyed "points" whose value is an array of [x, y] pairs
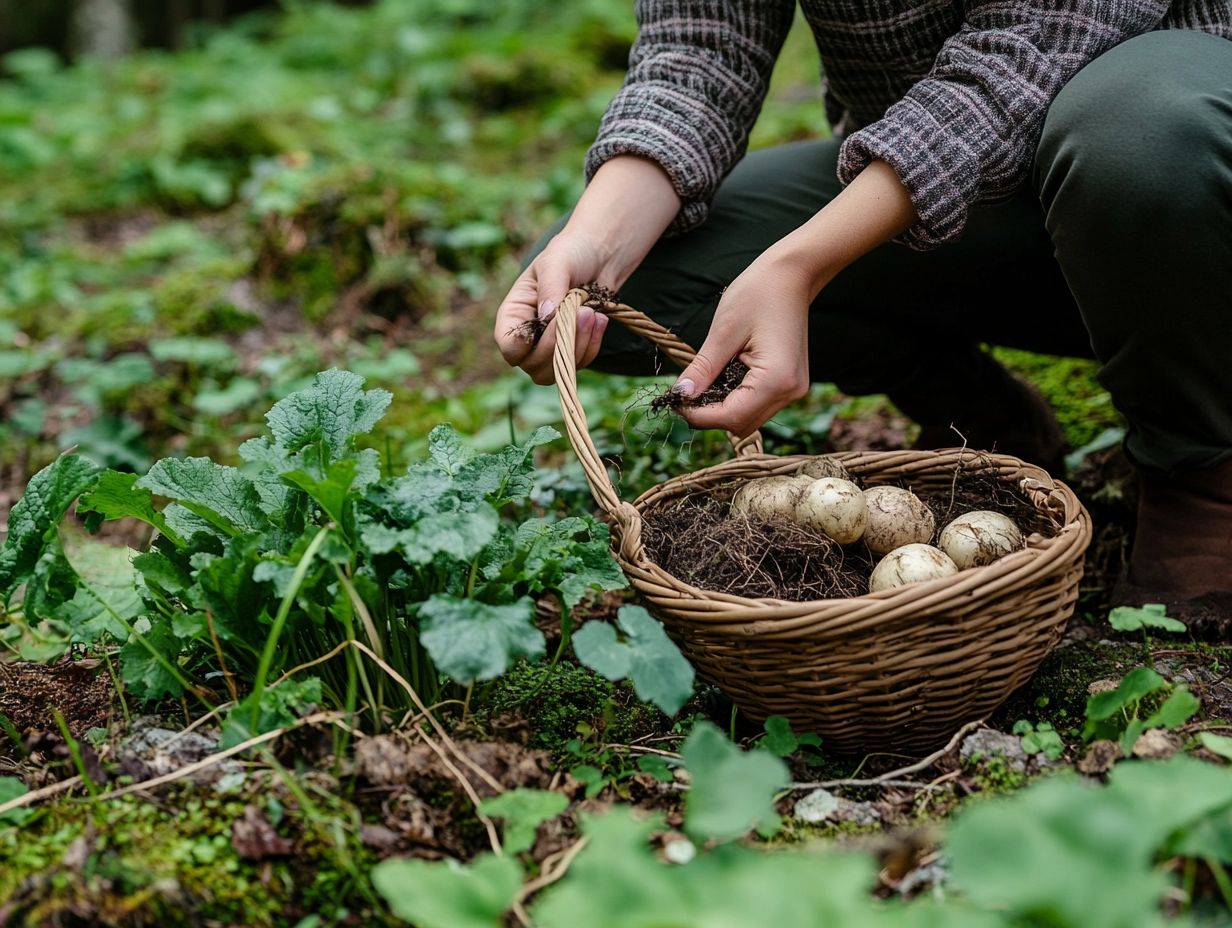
{"points": [[569, 260]]}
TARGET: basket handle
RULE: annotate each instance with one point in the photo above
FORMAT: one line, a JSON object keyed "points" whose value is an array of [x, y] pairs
{"points": [[564, 363]]}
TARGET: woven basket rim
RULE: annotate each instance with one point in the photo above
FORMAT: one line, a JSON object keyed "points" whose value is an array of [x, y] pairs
{"points": [[1043, 557]]}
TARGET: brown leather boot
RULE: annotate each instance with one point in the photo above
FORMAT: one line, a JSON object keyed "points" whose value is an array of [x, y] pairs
{"points": [[992, 409], [1183, 544]]}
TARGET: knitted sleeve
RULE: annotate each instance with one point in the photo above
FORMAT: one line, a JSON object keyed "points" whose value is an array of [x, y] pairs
{"points": [[698, 74], [967, 132]]}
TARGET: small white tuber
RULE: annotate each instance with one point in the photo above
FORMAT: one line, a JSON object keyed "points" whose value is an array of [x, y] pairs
{"points": [[834, 507], [979, 538], [912, 563], [768, 498], [896, 517], [825, 466]]}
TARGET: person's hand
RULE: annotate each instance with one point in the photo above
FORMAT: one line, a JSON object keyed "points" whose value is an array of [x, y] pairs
{"points": [[762, 319], [569, 260]]}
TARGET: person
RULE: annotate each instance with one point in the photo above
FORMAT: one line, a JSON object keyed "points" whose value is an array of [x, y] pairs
{"points": [[1059, 172]]}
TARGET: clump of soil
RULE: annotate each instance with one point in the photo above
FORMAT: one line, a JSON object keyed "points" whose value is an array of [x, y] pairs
{"points": [[30, 692], [729, 378], [696, 539]]}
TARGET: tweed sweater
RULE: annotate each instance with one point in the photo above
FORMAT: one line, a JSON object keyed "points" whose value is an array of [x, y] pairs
{"points": [[951, 93]]}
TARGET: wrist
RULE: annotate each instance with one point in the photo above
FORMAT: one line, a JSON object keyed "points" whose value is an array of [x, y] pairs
{"points": [[626, 207]]}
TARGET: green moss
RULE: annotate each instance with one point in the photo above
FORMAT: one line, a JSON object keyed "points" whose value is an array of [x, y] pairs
{"points": [[1083, 407], [1057, 693], [557, 702], [149, 863]]}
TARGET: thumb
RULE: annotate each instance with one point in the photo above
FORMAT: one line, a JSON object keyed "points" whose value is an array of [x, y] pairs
{"points": [[705, 368], [554, 283]]}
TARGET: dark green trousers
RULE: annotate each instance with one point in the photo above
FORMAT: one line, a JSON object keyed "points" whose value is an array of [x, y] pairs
{"points": [[1119, 248]]}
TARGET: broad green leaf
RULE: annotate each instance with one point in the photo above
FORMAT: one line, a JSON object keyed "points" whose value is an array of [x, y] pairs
{"points": [[203, 352], [461, 534], [1089, 850], [1175, 711], [11, 788], [1139, 682], [506, 475], [219, 494], [731, 791], [332, 411], [446, 894], [144, 675], [33, 519], [779, 739], [523, 810], [1216, 744], [446, 449], [471, 641], [115, 496], [240, 392], [658, 671], [280, 706], [616, 882], [332, 491], [1136, 618]]}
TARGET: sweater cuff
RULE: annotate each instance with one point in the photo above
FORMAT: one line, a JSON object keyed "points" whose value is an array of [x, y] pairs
{"points": [[681, 151], [937, 167]]}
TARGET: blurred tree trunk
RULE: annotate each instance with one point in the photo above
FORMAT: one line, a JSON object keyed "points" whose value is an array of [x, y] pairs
{"points": [[103, 28]]}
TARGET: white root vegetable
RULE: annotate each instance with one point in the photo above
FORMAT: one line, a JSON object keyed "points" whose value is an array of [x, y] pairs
{"points": [[979, 538], [834, 507], [896, 517], [768, 498], [825, 466], [912, 563]]}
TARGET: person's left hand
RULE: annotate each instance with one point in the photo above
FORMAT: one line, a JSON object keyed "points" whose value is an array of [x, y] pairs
{"points": [[762, 319]]}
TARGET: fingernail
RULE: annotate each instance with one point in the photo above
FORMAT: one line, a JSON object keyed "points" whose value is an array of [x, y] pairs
{"points": [[684, 386], [546, 309], [585, 317]]}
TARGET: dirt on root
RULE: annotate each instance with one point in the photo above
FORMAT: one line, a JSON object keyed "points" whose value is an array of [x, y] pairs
{"points": [[729, 379], [31, 694]]}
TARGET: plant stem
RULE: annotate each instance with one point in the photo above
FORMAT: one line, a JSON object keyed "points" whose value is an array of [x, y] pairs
{"points": [[74, 751], [280, 620]]}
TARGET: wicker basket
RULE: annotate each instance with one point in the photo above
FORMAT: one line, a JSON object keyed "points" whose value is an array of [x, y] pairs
{"points": [[898, 670]]}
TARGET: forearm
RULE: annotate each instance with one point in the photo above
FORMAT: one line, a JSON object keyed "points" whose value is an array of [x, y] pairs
{"points": [[625, 209], [873, 209]]}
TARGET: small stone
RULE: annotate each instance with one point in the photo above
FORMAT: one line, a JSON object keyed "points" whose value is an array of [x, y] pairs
{"points": [[816, 806], [1095, 687], [1099, 758], [857, 813], [988, 742], [1156, 744], [679, 851]]}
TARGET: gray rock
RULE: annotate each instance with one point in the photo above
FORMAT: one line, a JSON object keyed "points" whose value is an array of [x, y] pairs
{"points": [[823, 806], [987, 742]]}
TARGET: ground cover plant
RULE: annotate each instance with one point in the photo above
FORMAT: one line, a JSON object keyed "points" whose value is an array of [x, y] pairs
{"points": [[306, 617]]}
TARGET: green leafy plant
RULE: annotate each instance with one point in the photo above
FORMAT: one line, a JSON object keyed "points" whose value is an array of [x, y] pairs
{"points": [[1121, 714], [257, 570], [1040, 738], [1141, 618]]}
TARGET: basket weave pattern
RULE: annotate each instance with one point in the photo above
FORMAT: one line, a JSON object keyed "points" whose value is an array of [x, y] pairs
{"points": [[897, 670]]}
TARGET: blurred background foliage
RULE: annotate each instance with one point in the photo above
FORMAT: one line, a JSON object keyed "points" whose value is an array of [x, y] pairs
{"points": [[191, 229]]}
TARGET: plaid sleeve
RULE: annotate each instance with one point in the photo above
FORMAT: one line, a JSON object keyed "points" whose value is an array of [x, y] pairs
{"points": [[698, 74], [967, 132]]}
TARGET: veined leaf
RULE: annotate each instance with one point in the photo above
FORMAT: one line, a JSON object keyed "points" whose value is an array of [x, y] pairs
{"points": [[523, 810], [333, 410], [280, 706], [115, 496], [732, 791], [446, 894], [35, 516], [470, 641], [658, 671], [219, 494], [1136, 618]]}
